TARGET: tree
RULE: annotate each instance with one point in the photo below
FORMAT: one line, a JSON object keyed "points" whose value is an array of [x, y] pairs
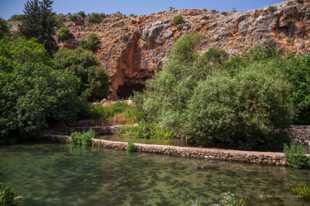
{"points": [[256, 101], [84, 65], [39, 22], [32, 93]]}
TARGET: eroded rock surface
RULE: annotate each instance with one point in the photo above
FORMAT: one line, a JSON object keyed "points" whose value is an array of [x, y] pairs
{"points": [[134, 48]]}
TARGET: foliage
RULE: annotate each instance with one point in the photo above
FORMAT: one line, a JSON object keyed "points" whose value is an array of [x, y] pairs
{"points": [[112, 112], [20, 51], [4, 28], [204, 98], [302, 191], [256, 101], [7, 196], [131, 147], [295, 155], [230, 199], [60, 20], [83, 139], [39, 22], [84, 65], [64, 34], [145, 131], [297, 69], [95, 18], [91, 43], [178, 19], [32, 93]]}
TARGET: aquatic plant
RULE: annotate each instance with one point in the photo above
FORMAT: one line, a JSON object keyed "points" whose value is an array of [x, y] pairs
{"points": [[83, 139], [302, 191], [7, 196], [295, 155], [231, 199], [131, 147]]}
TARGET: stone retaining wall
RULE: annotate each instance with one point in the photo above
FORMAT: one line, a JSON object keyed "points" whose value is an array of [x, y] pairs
{"points": [[265, 158]]}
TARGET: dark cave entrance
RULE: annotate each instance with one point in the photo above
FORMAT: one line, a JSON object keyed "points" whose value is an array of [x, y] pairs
{"points": [[128, 88]]}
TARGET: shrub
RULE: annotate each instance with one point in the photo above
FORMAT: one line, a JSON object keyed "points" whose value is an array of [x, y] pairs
{"points": [[7, 196], [84, 65], [129, 114], [146, 131], [95, 18], [77, 18], [83, 139], [64, 34], [302, 191], [256, 101], [131, 147], [296, 158], [92, 42], [178, 19], [230, 199]]}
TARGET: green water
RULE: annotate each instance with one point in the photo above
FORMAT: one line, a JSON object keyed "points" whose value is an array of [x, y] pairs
{"points": [[47, 174]]}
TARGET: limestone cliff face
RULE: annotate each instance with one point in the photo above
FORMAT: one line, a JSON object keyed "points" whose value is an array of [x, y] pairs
{"points": [[134, 48]]}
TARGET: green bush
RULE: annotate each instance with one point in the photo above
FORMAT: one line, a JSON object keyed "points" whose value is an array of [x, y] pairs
{"points": [[95, 18], [85, 66], [91, 43], [296, 158], [64, 34], [83, 139], [256, 101], [131, 147], [178, 19], [7, 196], [145, 131], [302, 191], [32, 93]]}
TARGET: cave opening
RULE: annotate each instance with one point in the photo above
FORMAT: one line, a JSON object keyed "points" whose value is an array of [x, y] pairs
{"points": [[128, 88]]}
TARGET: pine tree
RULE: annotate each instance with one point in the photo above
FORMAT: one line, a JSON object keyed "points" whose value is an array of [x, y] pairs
{"points": [[40, 23]]}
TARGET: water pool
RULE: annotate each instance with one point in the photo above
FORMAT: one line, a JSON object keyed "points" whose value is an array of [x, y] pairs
{"points": [[50, 174]]}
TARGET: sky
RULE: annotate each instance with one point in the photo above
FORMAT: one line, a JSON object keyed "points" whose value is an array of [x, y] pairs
{"points": [[10, 7]]}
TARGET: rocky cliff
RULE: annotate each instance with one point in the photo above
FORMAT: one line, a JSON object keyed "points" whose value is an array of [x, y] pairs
{"points": [[134, 47]]}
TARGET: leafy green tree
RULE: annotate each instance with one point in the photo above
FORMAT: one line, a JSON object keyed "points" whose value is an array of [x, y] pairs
{"points": [[92, 42], [256, 101], [39, 22], [32, 93], [84, 65], [297, 69]]}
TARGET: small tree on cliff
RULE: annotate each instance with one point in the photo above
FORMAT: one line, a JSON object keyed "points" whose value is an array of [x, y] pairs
{"points": [[39, 22]]}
